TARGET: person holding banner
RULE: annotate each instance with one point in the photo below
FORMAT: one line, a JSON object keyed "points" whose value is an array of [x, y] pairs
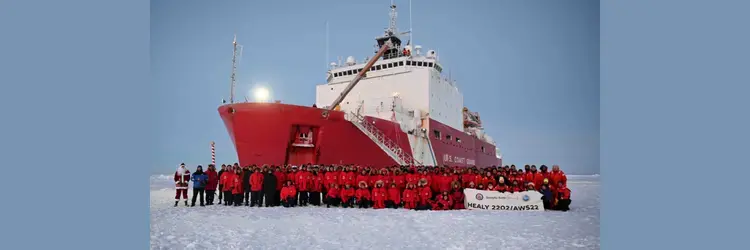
{"points": [[458, 196]]}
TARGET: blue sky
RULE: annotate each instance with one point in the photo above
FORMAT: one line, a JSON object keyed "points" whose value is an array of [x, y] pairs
{"points": [[530, 68]]}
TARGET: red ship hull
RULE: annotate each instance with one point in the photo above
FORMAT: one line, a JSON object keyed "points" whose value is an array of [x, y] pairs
{"points": [[275, 133]]}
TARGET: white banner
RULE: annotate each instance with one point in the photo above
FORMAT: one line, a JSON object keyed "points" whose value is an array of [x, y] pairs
{"points": [[494, 200]]}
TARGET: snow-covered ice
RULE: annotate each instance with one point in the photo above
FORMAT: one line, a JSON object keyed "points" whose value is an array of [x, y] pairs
{"points": [[219, 227]]}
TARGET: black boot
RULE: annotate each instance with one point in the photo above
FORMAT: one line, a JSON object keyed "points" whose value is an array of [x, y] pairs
{"points": [[186, 203], [175, 203]]}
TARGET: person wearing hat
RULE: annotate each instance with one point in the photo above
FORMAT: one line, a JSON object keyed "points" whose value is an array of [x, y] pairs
{"points": [[547, 194], [348, 194], [256, 187], [557, 176], [200, 180], [425, 195], [181, 179], [363, 195], [289, 194]]}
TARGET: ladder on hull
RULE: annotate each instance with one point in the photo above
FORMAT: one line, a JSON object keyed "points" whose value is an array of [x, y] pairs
{"points": [[387, 145]]}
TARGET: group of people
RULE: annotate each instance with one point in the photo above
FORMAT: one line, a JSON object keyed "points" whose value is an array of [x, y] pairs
{"points": [[409, 187]]}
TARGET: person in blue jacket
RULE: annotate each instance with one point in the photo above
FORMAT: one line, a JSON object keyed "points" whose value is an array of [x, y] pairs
{"points": [[199, 179]]}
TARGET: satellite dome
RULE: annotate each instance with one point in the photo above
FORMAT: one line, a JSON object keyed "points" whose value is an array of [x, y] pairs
{"points": [[431, 54], [351, 61]]}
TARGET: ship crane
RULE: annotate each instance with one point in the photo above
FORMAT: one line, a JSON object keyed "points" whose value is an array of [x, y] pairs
{"points": [[360, 75]]}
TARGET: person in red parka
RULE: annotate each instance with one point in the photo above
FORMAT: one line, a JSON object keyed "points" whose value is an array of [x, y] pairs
{"points": [[363, 195], [425, 194], [181, 179], [501, 187], [458, 196], [236, 184], [563, 197], [558, 176], [394, 196], [331, 177], [444, 182], [348, 196], [213, 181], [443, 202], [225, 182], [411, 197], [289, 194], [316, 187], [379, 195], [399, 180], [333, 198], [256, 186], [280, 180]]}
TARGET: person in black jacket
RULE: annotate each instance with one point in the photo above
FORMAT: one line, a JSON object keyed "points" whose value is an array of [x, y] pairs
{"points": [[221, 187], [269, 187], [246, 172]]}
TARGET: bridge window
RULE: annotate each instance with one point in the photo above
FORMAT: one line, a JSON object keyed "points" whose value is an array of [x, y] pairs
{"points": [[437, 134], [419, 64], [430, 65], [401, 63], [372, 68], [448, 137], [390, 65], [336, 74], [408, 63], [377, 67], [348, 72]]}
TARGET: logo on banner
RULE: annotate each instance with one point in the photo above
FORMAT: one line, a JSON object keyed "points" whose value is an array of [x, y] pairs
{"points": [[525, 197], [479, 197]]}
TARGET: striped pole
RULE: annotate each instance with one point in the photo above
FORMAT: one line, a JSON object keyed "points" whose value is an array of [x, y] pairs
{"points": [[213, 154]]}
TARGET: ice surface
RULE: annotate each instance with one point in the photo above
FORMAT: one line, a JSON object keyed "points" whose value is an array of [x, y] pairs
{"points": [[219, 227]]}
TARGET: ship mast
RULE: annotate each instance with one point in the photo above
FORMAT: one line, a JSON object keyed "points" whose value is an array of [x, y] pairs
{"points": [[388, 43], [234, 70]]}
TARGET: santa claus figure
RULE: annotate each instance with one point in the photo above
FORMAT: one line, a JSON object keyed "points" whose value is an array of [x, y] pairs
{"points": [[181, 179]]}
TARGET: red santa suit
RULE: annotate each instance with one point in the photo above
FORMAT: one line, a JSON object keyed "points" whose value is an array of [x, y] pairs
{"points": [[181, 179]]}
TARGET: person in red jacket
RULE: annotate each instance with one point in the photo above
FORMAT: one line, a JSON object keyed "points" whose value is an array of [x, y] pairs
{"points": [[457, 194], [491, 187], [410, 197], [425, 195], [256, 186], [331, 177], [289, 195], [394, 196], [563, 197], [225, 182], [501, 187], [362, 195], [333, 198], [280, 180], [363, 177], [316, 186], [379, 195], [515, 187], [443, 202], [444, 182], [237, 187], [348, 196], [213, 181], [558, 176], [399, 180]]}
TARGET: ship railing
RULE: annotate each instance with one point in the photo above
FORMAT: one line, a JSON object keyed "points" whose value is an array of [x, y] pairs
{"points": [[382, 139]]}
